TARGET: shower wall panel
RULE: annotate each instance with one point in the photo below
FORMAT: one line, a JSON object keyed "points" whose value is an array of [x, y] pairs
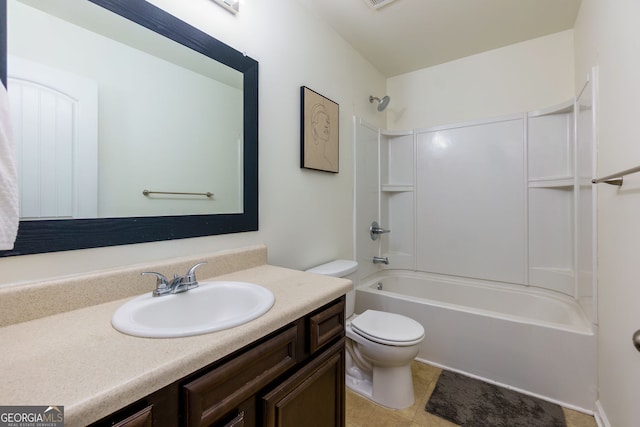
{"points": [[586, 205], [470, 200], [367, 194]]}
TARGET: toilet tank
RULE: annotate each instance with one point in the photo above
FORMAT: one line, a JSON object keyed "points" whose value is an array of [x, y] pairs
{"points": [[345, 269]]}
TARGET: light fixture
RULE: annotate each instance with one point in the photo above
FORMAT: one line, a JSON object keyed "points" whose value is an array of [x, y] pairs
{"points": [[232, 6]]}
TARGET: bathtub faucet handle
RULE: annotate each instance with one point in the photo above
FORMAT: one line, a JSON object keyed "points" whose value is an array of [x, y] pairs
{"points": [[380, 260], [375, 230]]}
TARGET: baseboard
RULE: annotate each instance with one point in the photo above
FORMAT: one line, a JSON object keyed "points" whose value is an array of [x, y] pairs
{"points": [[600, 416]]}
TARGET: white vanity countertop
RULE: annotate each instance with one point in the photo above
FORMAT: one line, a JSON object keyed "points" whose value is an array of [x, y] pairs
{"points": [[78, 360]]}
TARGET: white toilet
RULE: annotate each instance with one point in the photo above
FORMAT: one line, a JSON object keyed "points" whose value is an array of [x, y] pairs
{"points": [[380, 346]]}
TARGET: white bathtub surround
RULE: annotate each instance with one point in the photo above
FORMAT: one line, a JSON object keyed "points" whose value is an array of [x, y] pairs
{"points": [[501, 213], [537, 342], [9, 212], [506, 199]]}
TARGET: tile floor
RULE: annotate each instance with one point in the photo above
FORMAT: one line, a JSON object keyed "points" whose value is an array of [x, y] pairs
{"points": [[362, 412]]}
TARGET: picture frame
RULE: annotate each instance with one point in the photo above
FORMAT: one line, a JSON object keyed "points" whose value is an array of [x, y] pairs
{"points": [[320, 137]]}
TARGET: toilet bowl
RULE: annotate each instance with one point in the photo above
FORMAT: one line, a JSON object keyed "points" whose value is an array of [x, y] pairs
{"points": [[380, 346]]}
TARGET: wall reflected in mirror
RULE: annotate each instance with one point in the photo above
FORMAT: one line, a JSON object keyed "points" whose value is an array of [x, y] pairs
{"points": [[101, 115]]}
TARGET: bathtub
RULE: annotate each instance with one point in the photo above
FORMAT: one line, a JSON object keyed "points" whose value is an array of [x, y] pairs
{"points": [[534, 341]]}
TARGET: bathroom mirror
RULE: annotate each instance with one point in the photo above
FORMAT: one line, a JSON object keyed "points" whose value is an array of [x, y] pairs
{"points": [[124, 215]]}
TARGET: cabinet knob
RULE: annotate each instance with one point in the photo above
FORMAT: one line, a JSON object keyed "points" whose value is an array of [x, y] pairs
{"points": [[636, 340]]}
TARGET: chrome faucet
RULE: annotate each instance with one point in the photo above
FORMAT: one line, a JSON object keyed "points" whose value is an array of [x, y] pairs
{"points": [[380, 260], [375, 230], [177, 285]]}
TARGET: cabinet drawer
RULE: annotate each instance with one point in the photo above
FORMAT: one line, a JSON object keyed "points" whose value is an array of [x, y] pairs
{"points": [[142, 418], [326, 325], [214, 394]]}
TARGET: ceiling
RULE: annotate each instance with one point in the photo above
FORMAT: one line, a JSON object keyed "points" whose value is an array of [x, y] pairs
{"points": [[407, 35]]}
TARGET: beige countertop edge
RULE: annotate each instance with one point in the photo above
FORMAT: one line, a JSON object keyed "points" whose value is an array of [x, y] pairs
{"points": [[76, 359]]}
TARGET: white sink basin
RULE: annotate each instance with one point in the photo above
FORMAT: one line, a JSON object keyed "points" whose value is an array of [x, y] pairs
{"points": [[213, 306]]}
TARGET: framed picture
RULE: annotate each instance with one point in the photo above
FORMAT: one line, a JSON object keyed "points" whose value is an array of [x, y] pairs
{"points": [[319, 144]]}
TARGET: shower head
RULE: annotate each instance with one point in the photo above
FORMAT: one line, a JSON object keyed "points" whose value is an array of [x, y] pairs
{"points": [[382, 103]]}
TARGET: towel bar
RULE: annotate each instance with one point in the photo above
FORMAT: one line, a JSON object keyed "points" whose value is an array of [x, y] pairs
{"points": [[147, 192], [616, 178]]}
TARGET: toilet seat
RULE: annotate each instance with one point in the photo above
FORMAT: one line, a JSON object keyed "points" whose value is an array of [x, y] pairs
{"points": [[388, 328]]}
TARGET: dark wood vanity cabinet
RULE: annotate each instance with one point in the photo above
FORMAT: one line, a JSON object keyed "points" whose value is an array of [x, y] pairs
{"points": [[292, 377]]}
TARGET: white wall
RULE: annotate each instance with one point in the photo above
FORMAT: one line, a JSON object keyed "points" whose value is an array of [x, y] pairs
{"points": [[522, 77], [305, 216], [607, 34]]}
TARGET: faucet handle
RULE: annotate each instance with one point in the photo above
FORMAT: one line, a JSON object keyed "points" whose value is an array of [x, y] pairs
{"points": [[191, 274], [161, 279], [162, 284], [375, 230]]}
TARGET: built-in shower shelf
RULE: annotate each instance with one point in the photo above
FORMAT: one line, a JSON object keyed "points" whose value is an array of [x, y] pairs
{"points": [[560, 182], [564, 108], [396, 132], [395, 188]]}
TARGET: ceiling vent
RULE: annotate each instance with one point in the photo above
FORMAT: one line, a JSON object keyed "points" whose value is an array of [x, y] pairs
{"points": [[377, 4]]}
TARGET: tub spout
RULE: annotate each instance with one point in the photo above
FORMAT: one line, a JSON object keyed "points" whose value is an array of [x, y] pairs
{"points": [[380, 260]]}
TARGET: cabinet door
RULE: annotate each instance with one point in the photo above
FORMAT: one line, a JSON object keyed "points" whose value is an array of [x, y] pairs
{"points": [[313, 396]]}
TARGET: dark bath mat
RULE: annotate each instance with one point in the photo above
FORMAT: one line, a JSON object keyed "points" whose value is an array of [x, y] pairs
{"points": [[474, 403]]}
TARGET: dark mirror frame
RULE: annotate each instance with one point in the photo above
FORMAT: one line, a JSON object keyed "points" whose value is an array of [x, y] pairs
{"points": [[62, 235]]}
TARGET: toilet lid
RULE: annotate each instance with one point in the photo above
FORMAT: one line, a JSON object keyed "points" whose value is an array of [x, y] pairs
{"points": [[388, 328], [337, 268]]}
